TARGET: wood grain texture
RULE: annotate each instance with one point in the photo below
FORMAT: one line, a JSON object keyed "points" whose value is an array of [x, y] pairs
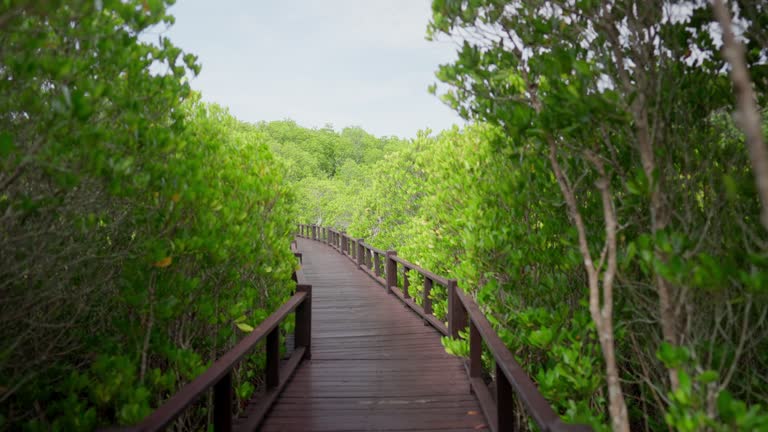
{"points": [[374, 366]]}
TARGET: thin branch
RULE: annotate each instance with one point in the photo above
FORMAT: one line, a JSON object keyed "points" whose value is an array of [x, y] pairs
{"points": [[748, 116]]}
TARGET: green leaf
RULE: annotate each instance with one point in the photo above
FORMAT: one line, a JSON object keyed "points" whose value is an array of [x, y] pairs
{"points": [[672, 356], [541, 338], [708, 376], [6, 144], [245, 327], [725, 406]]}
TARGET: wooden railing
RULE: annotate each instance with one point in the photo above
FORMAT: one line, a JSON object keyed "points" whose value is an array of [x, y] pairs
{"points": [[511, 381], [219, 375]]}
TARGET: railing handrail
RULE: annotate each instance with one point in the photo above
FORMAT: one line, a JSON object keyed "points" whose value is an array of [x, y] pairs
{"points": [[189, 394], [373, 248], [218, 376], [537, 406], [464, 312], [424, 272]]}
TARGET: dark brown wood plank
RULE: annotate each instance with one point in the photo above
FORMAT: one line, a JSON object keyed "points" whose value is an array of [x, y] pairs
{"points": [[374, 366], [260, 404]]}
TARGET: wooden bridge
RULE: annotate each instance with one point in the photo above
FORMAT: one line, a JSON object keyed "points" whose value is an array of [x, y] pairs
{"points": [[366, 356]]}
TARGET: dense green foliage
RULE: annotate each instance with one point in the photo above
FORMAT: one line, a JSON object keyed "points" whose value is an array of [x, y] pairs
{"points": [[625, 101], [138, 227], [600, 207], [327, 169]]}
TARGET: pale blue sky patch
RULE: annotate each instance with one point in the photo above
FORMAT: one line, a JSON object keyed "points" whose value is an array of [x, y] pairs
{"points": [[344, 62]]}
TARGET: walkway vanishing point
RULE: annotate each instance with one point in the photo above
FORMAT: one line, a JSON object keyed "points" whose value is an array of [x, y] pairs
{"points": [[366, 356], [374, 366]]}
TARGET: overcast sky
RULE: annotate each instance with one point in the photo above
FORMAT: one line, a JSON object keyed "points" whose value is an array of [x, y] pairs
{"points": [[344, 62]]}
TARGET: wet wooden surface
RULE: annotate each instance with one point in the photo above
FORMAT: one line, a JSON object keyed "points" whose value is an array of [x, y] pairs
{"points": [[374, 366]]}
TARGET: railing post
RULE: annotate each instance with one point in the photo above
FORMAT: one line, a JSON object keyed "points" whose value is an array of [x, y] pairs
{"points": [[314, 232], [222, 404], [406, 283], [391, 270], [475, 351], [273, 358], [427, 301], [457, 315], [504, 403], [303, 330], [343, 242], [377, 264], [360, 253]]}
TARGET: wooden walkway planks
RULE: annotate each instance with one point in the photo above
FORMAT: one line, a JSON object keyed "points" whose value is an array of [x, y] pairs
{"points": [[375, 365]]}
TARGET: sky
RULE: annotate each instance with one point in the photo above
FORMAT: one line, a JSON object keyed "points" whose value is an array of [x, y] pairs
{"points": [[341, 62]]}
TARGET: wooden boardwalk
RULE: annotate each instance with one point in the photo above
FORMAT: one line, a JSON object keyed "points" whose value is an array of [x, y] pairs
{"points": [[374, 366]]}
